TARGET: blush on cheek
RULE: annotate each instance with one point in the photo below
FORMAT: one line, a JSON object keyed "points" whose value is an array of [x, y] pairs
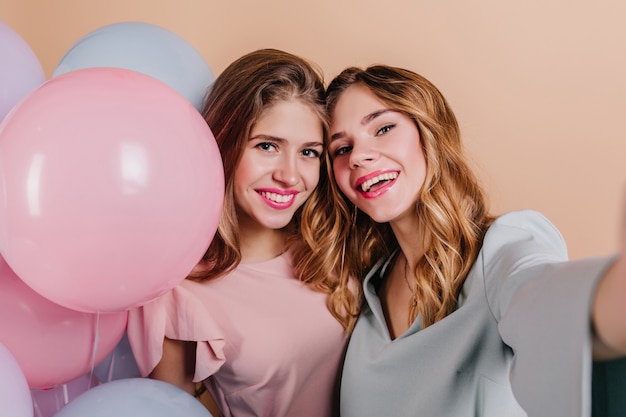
{"points": [[311, 178]]}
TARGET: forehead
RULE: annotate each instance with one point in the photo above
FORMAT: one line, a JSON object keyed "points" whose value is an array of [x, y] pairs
{"points": [[289, 119], [353, 105]]}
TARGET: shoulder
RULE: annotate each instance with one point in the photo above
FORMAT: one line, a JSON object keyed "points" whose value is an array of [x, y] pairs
{"points": [[525, 219], [527, 229], [517, 241]]}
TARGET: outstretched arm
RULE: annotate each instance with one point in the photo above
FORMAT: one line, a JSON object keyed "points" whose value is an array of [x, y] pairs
{"points": [[609, 306]]}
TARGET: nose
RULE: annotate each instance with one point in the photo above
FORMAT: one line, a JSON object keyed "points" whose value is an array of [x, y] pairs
{"points": [[286, 172], [362, 155]]}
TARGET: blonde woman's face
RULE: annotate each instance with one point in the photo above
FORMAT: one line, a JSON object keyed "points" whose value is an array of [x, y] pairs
{"points": [[280, 165], [377, 155]]}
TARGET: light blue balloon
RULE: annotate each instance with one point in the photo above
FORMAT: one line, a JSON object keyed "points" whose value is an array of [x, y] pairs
{"points": [[134, 397], [15, 399], [145, 48], [20, 70]]}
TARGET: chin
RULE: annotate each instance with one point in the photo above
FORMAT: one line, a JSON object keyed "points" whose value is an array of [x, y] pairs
{"points": [[378, 217], [275, 224]]}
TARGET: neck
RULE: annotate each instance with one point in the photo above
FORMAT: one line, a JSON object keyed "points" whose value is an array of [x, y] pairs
{"points": [[410, 236], [260, 244]]}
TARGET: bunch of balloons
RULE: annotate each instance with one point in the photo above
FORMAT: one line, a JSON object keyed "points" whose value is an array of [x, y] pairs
{"points": [[111, 187]]}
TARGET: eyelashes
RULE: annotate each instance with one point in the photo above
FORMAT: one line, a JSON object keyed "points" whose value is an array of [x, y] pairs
{"points": [[344, 149], [385, 129], [272, 147]]}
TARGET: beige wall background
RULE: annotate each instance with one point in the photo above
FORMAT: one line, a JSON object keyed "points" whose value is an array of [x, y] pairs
{"points": [[539, 86]]}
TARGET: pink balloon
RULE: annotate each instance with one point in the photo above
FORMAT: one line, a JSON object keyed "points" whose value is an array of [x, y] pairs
{"points": [[52, 344], [20, 70], [15, 399], [111, 187]]}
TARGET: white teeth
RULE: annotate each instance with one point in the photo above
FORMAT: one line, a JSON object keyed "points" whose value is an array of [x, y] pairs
{"points": [[278, 198], [383, 177]]}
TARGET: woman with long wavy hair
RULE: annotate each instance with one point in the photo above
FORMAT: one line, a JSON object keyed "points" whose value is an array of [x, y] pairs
{"points": [[466, 314], [262, 321]]}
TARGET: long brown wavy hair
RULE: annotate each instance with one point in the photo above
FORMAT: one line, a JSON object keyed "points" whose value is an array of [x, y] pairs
{"points": [[236, 100], [452, 206]]}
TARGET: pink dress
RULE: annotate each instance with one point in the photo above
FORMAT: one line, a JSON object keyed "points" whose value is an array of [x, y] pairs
{"points": [[267, 343]]}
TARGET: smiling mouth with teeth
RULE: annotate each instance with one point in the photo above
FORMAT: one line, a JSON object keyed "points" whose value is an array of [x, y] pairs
{"points": [[367, 185], [277, 198]]}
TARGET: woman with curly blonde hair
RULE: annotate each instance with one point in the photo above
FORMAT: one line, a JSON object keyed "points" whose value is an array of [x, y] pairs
{"points": [[466, 314]]}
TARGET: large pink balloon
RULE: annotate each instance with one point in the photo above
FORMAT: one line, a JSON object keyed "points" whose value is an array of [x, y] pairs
{"points": [[20, 70], [52, 344], [111, 187]]}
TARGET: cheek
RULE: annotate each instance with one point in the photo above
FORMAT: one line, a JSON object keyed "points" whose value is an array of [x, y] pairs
{"points": [[342, 177], [249, 170], [311, 175], [309, 170], [344, 185], [245, 177]]}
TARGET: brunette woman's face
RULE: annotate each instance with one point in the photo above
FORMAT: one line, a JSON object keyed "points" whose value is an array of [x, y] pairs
{"points": [[377, 155], [280, 165]]}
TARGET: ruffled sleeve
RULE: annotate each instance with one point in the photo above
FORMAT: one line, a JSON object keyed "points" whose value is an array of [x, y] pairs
{"points": [[178, 315]]}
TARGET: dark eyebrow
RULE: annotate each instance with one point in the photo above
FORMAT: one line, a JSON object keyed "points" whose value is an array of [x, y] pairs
{"points": [[267, 137], [374, 115], [365, 120]]}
